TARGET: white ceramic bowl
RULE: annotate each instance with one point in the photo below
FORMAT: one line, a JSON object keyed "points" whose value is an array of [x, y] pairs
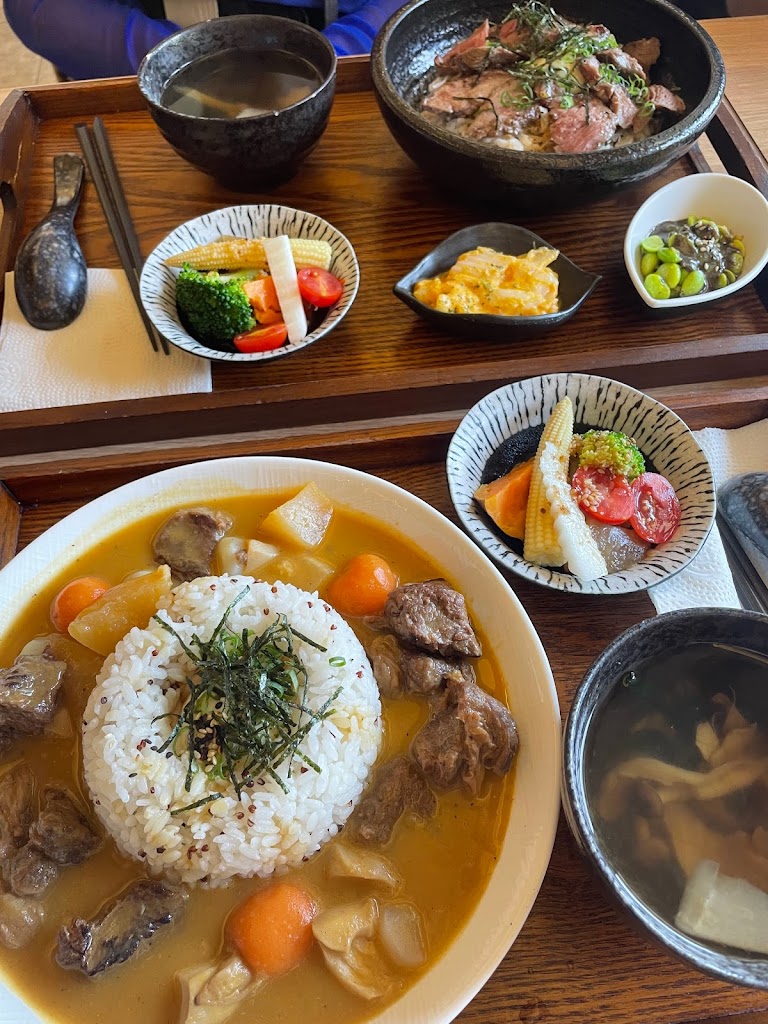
{"points": [[661, 435], [158, 282], [719, 197], [455, 977]]}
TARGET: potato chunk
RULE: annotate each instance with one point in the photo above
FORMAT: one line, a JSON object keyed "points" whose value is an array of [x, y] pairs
{"points": [[301, 521], [131, 603]]}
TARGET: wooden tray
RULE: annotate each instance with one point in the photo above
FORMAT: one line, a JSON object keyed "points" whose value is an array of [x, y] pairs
{"points": [[576, 961], [382, 360]]}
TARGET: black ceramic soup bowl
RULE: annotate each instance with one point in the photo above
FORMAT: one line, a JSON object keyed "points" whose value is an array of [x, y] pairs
{"points": [[581, 753], [405, 50], [245, 154]]}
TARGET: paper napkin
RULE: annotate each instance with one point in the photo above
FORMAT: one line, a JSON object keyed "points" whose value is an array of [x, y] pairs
{"points": [[103, 356], [707, 581]]}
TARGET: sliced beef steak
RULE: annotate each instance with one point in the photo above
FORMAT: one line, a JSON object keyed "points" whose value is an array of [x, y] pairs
{"points": [[120, 929], [645, 51], [456, 57], [469, 733], [62, 831], [663, 99], [433, 617], [399, 787], [28, 695], [400, 670], [17, 797], [623, 61], [581, 128], [187, 539]]}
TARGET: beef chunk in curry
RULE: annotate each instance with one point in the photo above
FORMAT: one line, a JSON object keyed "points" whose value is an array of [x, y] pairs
{"points": [[469, 733], [17, 796], [28, 695], [19, 920], [400, 669], [30, 872], [120, 929], [187, 539], [399, 787], [62, 831], [431, 616]]}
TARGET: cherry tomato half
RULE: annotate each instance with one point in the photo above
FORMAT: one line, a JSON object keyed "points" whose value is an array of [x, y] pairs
{"points": [[262, 339], [657, 510], [319, 287], [605, 495]]}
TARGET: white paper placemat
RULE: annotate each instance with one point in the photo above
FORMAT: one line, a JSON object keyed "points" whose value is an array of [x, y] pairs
{"points": [[103, 356]]}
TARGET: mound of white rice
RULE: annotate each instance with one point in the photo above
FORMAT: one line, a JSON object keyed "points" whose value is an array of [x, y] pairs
{"points": [[134, 787]]}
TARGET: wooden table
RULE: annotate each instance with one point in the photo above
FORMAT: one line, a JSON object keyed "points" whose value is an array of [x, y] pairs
{"points": [[576, 961]]}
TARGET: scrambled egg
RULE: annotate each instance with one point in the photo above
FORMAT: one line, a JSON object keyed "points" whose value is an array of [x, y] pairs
{"points": [[486, 281]]}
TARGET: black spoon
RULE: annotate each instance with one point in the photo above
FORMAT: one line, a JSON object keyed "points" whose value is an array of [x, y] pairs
{"points": [[51, 277]]}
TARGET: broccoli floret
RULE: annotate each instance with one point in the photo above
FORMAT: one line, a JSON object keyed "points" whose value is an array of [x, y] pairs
{"points": [[609, 449], [214, 309]]}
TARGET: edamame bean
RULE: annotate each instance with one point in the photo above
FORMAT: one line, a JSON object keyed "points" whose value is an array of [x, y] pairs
{"points": [[671, 273], [648, 263], [652, 243], [721, 281], [669, 255], [738, 244], [694, 283], [735, 262], [657, 287], [730, 275]]}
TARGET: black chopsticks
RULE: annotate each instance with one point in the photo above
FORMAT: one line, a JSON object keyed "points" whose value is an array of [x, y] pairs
{"points": [[101, 166], [750, 588]]}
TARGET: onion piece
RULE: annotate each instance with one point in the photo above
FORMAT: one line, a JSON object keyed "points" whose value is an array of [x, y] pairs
{"points": [[283, 270], [723, 909]]}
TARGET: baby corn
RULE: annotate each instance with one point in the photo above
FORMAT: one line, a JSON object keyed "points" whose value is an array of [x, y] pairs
{"points": [[541, 544], [229, 253]]}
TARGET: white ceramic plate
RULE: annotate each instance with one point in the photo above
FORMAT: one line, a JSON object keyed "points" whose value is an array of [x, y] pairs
{"points": [[661, 435], [719, 197], [457, 976], [158, 282]]}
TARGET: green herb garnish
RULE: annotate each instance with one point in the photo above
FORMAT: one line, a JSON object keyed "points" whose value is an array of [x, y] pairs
{"points": [[246, 713]]}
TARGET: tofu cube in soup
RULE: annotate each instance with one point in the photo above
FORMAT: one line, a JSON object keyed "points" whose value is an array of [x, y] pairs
{"points": [[301, 521]]}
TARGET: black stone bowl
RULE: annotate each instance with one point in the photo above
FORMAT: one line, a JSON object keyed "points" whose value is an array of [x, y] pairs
{"points": [[574, 287], [245, 154], [405, 49], [744, 629]]}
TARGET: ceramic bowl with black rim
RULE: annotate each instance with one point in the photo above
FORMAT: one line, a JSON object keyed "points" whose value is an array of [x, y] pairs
{"points": [[158, 281], [403, 66], [574, 284], [514, 415], [676, 875]]}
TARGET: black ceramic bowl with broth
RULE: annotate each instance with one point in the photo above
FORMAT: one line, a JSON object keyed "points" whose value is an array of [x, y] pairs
{"points": [[244, 98], [643, 698], [404, 52]]}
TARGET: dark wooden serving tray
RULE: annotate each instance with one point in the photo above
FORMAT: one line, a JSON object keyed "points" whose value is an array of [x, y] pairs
{"points": [[382, 360], [576, 961]]}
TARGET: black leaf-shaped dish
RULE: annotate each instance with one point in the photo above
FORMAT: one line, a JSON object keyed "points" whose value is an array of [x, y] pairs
{"points": [[575, 284]]}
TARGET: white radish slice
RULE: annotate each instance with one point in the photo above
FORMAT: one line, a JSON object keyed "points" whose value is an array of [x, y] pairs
{"points": [[283, 271]]}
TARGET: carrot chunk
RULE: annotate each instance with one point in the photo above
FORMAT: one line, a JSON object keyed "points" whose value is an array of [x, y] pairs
{"points": [[363, 585], [73, 598], [272, 929]]}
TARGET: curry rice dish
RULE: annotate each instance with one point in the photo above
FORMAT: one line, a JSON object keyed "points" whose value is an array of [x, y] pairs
{"points": [[255, 764]]}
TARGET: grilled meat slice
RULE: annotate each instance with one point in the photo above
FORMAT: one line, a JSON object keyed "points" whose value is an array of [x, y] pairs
{"points": [[62, 831], [187, 539], [470, 733], [120, 930], [582, 128], [645, 51], [433, 617], [28, 695], [399, 787]]}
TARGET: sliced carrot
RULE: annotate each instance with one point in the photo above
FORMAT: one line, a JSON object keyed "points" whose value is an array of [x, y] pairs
{"points": [[74, 597], [506, 499], [272, 929], [363, 585], [263, 299]]}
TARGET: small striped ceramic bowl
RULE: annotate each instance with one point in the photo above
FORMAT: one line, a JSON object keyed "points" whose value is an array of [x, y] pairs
{"points": [[158, 282], [665, 441]]}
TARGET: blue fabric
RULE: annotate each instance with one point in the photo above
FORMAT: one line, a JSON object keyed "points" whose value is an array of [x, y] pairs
{"points": [[100, 38]]}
